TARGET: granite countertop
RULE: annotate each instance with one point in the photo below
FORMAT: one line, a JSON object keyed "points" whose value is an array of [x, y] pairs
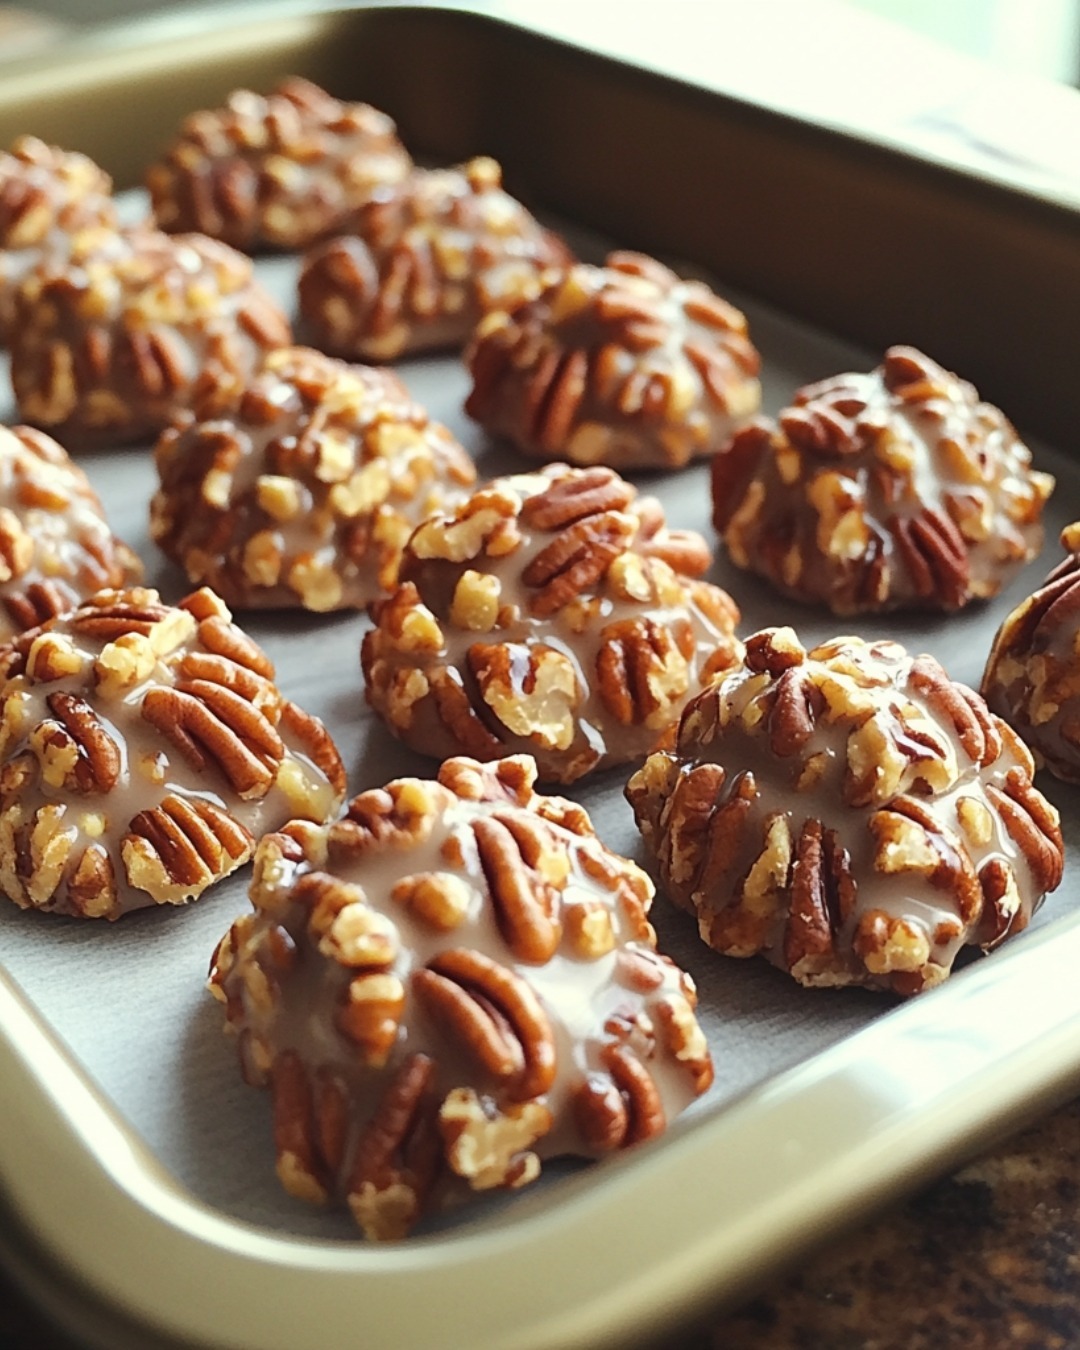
{"points": [[988, 1258]]}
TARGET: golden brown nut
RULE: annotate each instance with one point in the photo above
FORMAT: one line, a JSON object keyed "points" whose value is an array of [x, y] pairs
{"points": [[1032, 678], [551, 614], [143, 750], [55, 546], [850, 813], [422, 262], [275, 172], [897, 489], [306, 495], [45, 194], [624, 365], [123, 332], [451, 983]]}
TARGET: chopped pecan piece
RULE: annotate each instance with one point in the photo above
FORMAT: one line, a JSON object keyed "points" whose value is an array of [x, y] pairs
{"points": [[450, 984], [547, 615], [275, 171], [889, 818], [121, 332], [144, 748], [1032, 677], [306, 494], [898, 489], [420, 264], [624, 365]]}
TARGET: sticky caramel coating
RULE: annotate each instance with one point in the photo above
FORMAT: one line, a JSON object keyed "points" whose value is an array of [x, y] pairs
{"points": [[553, 614], [45, 194], [143, 749], [121, 333], [306, 496], [55, 545], [896, 489], [422, 262], [850, 813], [447, 986], [276, 172], [1032, 678], [624, 365]]}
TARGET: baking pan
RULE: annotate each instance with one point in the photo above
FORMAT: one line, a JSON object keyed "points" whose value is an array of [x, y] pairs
{"points": [[135, 1167]]}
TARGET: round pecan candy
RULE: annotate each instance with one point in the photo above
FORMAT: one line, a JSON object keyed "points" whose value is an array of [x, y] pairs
{"points": [[305, 495], [420, 264], [450, 984], [850, 813], [275, 172], [625, 365], [45, 193], [1032, 678], [144, 748], [897, 489], [55, 545], [122, 332], [553, 613]]}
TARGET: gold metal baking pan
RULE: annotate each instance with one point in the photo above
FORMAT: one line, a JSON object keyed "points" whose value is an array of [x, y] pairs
{"points": [[135, 1167]]}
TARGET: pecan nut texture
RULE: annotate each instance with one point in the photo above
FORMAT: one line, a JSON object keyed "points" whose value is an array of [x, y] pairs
{"points": [[896, 489], [552, 614], [56, 548], [45, 194], [625, 365], [144, 748], [421, 263], [449, 985], [276, 171], [1032, 677], [849, 812], [120, 333], [306, 494]]}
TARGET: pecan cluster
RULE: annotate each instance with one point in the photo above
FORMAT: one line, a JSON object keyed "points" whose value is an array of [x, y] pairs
{"points": [[449, 984], [143, 749], [279, 171], [897, 489], [624, 365], [554, 614], [119, 333], [849, 812], [422, 262], [55, 545], [1032, 678], [306, 494], [45, 193]]}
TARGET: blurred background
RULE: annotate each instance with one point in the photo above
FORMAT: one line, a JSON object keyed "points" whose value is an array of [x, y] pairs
{"points": [[1030, 37]]}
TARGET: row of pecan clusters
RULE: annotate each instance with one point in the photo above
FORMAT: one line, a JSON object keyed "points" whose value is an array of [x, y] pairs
{"points": [[115, 331], [871, 492], [625, 365]]}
